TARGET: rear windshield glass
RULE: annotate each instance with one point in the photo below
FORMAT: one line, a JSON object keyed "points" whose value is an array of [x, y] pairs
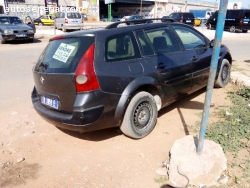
{"points": [[63, 56], [73, 15]]}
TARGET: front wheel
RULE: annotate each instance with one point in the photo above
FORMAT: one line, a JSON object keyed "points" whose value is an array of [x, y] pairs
{"points": [[244, 31], [2, 41], [140, 117], [224, 74], [40, 24]]}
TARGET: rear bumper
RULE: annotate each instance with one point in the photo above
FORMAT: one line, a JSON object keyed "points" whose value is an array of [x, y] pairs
{"points": [[73, 26], [84, 117]]}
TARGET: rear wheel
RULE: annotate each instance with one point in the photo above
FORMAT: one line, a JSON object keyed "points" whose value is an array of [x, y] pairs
{"points": [[64, 29], [224, 74], [2, 41], [140, 116], [232, 29], [209, 26], [244, 31]]}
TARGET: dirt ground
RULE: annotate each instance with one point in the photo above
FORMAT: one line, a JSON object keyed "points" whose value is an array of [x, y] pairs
{"points": [[34, 153]]}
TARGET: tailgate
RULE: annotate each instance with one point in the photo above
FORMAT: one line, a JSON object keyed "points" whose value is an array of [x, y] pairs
{"points": [[54, 72]]}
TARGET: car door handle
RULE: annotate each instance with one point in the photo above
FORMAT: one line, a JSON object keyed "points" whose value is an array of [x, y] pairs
{"points": [[160, 66], [194, 58]]}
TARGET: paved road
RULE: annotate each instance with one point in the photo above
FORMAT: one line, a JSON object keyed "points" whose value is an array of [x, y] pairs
{"points": [[54, 158]]}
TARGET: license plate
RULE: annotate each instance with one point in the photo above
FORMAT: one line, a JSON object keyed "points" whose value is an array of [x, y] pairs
{"points": [[49, 102], [188, 20], [21, 35], [74, 21]]}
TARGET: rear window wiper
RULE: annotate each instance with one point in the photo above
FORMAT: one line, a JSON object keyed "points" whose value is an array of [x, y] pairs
{"points": [[43, 65]]}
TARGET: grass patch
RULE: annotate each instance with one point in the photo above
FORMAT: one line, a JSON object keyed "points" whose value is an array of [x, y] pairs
{"points": [[232, 131], [161, 179]]}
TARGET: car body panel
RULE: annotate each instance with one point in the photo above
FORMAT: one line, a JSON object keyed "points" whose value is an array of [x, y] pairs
{"points": [[123, 68]]}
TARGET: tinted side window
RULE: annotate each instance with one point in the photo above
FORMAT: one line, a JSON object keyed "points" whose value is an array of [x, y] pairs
{"points": [[233, 13], [162, 40], [145, 44], [121, 47], [247, 15], [190, 39]]}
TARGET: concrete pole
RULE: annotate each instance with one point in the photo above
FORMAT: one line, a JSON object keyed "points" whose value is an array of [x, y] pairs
{"points": [[212, 73]]}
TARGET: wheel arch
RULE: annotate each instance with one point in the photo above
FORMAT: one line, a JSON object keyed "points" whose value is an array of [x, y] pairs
{"points": [[147, 84]]}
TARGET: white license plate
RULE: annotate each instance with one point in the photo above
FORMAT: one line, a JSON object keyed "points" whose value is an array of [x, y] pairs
{"points": [[188, 20], [21, 35], [49, 102]]}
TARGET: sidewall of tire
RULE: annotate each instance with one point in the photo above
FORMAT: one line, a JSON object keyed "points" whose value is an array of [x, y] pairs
{"points": [[127, 125], [219, 82]]}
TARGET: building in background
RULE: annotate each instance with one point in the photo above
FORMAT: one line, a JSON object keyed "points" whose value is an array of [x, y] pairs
{"points": [[97, 8]]}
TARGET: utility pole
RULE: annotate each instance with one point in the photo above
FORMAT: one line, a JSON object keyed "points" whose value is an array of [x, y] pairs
{"points": [[141, 8], [155, 9]]}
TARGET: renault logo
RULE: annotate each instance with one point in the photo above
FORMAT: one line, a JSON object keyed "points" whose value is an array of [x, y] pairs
{"points": [[42, 79]]}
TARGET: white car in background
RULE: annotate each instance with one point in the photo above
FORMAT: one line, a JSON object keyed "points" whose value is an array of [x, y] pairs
{"points": [[125, 18]]}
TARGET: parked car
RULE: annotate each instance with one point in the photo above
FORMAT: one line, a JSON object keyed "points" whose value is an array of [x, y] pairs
{"points": [[235, 19], [183, 17], [133, 17], [68, 21], [44, 20], [122, 76], [13, 28], [124, 18]]}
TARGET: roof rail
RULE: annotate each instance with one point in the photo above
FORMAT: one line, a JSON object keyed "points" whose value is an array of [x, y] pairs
{"points": [[132, 22]]}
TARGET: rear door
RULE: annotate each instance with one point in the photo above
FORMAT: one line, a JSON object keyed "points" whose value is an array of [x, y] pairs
{"points": [[54, 72], [188, 18], [165, 57]]}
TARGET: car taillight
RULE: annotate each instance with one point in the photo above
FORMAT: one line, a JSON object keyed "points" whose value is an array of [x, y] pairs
{"points": [[66, 20], [181, 21], [241, 21], [85, 77], [82, 20]]}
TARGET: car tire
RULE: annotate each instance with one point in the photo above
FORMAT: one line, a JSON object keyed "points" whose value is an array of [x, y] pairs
{"points": [[55, 27], [2, 41], [140, 116], [209, 26], [40, 23], [232, 29], [244, 31], [64, 29], [224, 74]]}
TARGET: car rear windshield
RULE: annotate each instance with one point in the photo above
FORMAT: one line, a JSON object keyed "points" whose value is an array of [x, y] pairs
{"points": [[188, 15], [63, 56], [73, 15]]}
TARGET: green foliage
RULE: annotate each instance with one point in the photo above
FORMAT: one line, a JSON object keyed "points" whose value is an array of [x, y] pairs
{"points": [[233, 131], [162, 179]]}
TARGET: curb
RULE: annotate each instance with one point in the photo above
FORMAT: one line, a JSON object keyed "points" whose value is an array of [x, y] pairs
{"points": [[240, 79]]}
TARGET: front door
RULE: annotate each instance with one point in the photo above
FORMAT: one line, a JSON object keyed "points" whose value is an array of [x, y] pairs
{"points": [[198, 52], [163, 54]]}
